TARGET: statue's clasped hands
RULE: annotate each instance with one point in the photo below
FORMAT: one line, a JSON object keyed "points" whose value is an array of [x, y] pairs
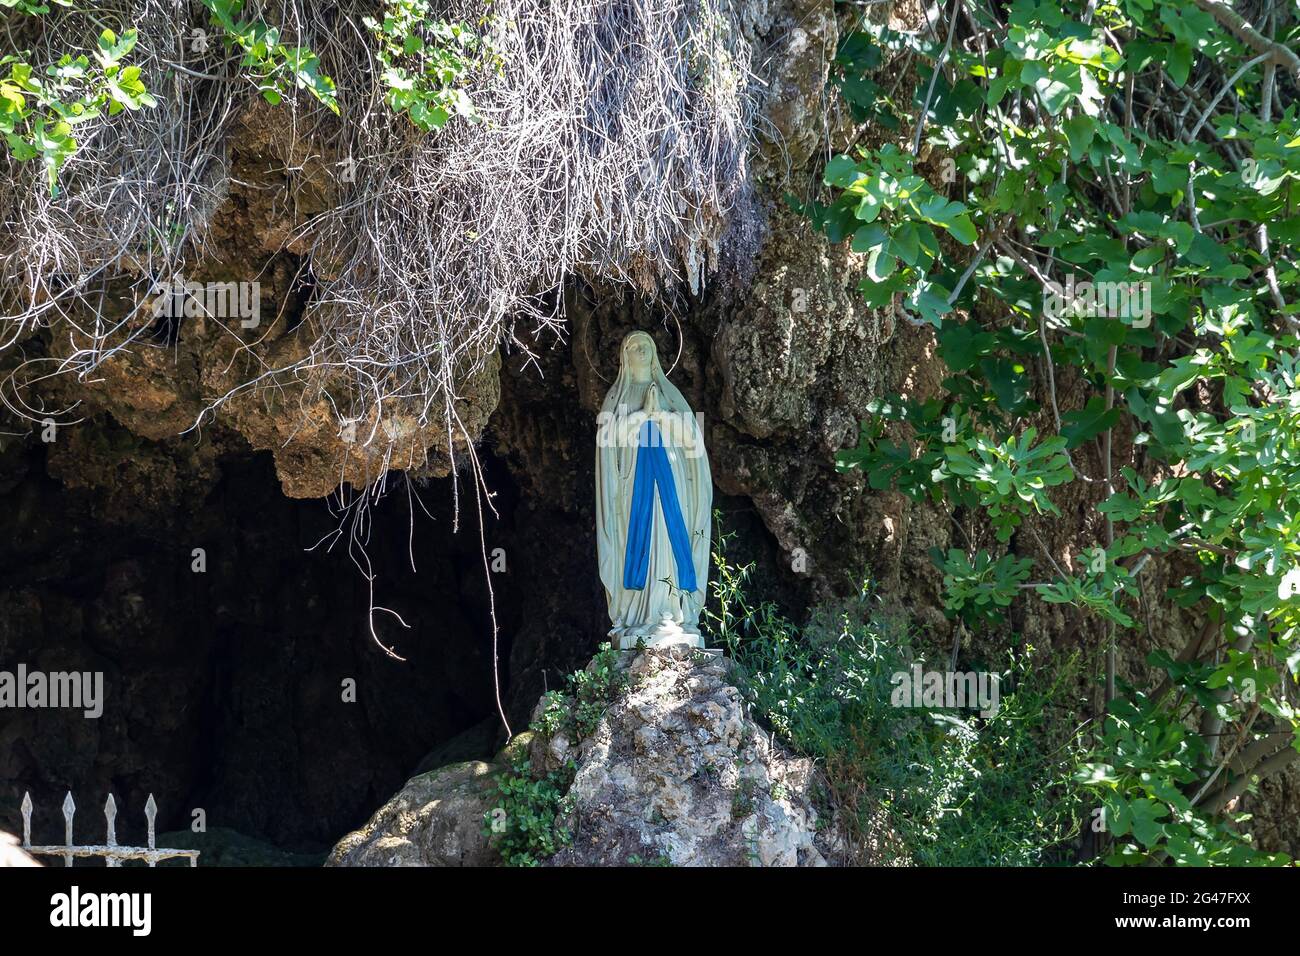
{"points": [[666, 420]]}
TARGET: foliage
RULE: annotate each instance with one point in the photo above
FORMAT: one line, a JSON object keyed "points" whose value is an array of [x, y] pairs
{"points": [[1116, 186], [980, 589], [425, 63], [959, 790], [589, 692], [1152, 759], [39, 113], [33, 9], [275, 67], [1008, 478], [532, 806], [892, 215]]}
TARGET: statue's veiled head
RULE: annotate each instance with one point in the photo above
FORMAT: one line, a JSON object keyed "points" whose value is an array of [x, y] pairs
{"points": [[640, 356]]}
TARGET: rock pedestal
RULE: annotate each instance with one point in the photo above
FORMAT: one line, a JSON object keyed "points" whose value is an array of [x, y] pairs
{"points": [[674, 772], [677, 773]]}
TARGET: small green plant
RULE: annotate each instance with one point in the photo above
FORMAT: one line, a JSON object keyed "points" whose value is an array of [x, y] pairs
{"points": [[593, 689], [275, 67], [32, 9], [589, 692], [555, 716], [531, 810], [636, 859], [742, 800], [39, 113], [527, 822], [426, 62]]}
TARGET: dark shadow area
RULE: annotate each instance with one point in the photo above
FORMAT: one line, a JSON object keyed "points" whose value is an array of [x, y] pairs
{"points": [[242, 680]]}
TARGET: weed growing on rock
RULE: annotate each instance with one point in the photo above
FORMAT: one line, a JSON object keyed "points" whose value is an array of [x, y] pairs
{"points": [[527, 821], [956, 789], [590, 691], [593, 690]]}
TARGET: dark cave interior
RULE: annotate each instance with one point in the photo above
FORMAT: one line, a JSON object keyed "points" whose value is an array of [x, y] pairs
{"points": [[226, 690]]}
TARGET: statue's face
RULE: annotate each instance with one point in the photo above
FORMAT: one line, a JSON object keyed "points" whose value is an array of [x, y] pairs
{"points": [[640, 357]]}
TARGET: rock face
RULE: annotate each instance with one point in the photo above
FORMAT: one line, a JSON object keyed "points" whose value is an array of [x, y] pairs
{"points": [[11, 854], [677, 773], [674, 773], [436, 820]]}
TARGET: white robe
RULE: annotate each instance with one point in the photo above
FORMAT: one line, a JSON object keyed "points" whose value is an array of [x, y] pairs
{"points": [[660, 613]]}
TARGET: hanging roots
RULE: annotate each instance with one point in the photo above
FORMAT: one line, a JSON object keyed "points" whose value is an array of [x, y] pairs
{"points": [[612, 145]]}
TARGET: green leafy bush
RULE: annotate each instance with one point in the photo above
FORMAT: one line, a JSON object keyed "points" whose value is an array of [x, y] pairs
{"points": [[275, 67], [529, 807], [1114, 190], [981, 589], [1146, 762], [956, 789], [425, 63]]}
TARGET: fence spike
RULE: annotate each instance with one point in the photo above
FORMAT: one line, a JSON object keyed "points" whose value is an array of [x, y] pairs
{"points": [[150, 811], [110, 815], [27, 818], [69, 808]]}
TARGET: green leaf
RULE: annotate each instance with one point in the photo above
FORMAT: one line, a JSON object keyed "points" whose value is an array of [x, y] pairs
{"points": [[1178, 64], [962, 230], [1146, 821], [841, 172], [869, 237], [1094, 418]]}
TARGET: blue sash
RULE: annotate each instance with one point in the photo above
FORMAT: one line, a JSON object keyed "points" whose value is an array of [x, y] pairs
{"points": [[653, 471]]}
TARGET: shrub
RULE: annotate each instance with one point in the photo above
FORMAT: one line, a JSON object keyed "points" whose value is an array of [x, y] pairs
{"points": [[1103, 229], [957, 789]]}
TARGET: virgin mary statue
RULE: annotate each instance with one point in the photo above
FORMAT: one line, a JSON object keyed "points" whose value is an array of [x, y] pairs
{"points": [[654, 500]]}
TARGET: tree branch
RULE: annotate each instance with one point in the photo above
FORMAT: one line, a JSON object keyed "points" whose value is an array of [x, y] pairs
{"points": [[1247, 34]]}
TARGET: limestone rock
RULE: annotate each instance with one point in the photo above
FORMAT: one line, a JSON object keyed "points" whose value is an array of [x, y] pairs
{"points": [[435, 820], [676, 772], [11, 854]]}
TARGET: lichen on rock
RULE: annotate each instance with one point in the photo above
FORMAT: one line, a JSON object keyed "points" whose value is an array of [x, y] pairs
{"points": [[677, 772]]}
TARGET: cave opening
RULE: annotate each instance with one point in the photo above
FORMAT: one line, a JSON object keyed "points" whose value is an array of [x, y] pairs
{"points": [[243, 686], [240, 675]]}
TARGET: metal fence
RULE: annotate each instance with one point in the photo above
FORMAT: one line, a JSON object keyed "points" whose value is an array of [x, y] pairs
{"points": [[112, 853]]}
